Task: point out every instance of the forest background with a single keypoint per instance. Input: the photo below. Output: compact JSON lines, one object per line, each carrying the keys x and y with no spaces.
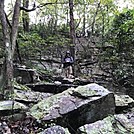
{"x":99,"y":34}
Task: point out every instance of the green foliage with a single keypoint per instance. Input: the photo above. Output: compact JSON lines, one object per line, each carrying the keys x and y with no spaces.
{"x":121,"y":53}
{"x":41,"y":41}
{"x":30,"y":44}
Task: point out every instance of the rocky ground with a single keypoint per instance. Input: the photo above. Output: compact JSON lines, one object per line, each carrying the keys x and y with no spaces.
{"x":85,"y":109}
{"x":66,"y":106}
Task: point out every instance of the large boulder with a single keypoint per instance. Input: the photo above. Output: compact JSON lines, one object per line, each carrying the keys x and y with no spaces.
{"x":75,"y":106}
{"x":117,"y":124}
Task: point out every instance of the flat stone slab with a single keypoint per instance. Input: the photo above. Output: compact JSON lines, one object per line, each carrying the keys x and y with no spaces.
{"x":76,"y":106}
{"x":50,"y":87}
{"x":117,"y":124}
{"x":30,"y":96}
{"x":10,"y":105}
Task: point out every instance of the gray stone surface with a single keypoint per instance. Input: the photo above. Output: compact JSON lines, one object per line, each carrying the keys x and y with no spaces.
{"x":7,"y":106}
{"x":30,"y":96}
{"x":24,"y":75}
{"x":55,"y":130}
{"x":76,"y":106}
{"x":117,"y":124}
{"x":123,"y":100}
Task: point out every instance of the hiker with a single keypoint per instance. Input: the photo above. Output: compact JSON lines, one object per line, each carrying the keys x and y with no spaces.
{"x":67,"y":64}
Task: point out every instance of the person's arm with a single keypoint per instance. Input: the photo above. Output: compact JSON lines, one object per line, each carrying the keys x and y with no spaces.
{"x":63,"y":60}
{"x":72,"y":60}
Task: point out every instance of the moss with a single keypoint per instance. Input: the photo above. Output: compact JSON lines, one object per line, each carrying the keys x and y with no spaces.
{"x":20,"y":86}
{"x":85,"y":91}
{"x":43,"y":107}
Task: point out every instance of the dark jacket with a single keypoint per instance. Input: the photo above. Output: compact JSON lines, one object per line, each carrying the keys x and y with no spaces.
{"x":68,"y":61}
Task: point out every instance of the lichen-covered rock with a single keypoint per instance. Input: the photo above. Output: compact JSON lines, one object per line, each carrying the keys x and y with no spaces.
{"x":55,"y":130}
{"x":76,"y":106}
{"x":30,"y":96}
{"x":123,"y":100}
{"x":117,"y":124}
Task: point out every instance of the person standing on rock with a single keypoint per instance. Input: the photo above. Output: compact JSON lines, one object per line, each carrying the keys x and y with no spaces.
{"x":67,"y":65}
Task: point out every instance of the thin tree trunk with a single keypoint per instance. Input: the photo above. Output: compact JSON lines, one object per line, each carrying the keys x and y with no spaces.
{"x":56,"y":19}
{"x":25,"y":16}
{"x":72,"y":32}
{"x":84,"y":20}
{"x":95,"y":17}
{"x":103,"y":26}
{"x":72,"y":28}
{"x":15,"y":24}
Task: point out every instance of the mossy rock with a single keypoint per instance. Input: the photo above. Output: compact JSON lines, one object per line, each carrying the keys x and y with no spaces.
{"x":117,"y":124}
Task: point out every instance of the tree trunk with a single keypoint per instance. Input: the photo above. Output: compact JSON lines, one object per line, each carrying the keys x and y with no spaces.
{"x":84,"y":20}
{"x":72,"y":32}
{"x":9,"y":40}
{"x":15,"y":24}
{"x":25,"y":16}
{"x":94,"y":17}
{"x":7,"y":44}
{"x":72,"y":29}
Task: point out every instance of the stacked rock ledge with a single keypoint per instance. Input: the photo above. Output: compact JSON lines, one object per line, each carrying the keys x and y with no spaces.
{"x":76,"y":106}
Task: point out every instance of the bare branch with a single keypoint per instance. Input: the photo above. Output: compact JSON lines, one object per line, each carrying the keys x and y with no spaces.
{"x":35,"y":7}
{"x":8,"y":22}
{"x":28,"y":10}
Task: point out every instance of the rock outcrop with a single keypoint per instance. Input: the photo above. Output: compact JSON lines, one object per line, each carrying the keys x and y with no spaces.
{"x":117,"y":124}
{"x":50,"y":87}
{"x":75,"y":106}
